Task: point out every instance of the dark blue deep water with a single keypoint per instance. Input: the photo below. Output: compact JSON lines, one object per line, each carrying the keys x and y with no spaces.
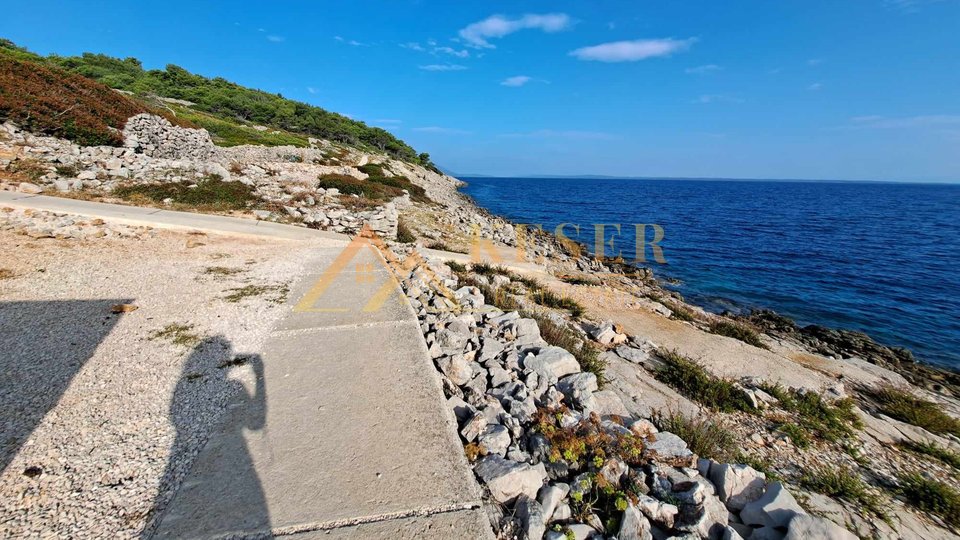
{"x":877,"y":257}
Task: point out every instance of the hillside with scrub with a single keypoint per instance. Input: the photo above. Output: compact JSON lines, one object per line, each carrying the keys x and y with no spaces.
{"x":232,"y":113}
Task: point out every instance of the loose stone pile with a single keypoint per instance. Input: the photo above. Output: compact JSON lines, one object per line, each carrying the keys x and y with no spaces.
{"x":284,"y":178}
{"x":40,"y":224}
{"x":526,"y":409}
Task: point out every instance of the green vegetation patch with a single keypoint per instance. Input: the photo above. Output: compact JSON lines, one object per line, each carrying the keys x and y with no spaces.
{"x":707,"y":438}
{"x":211,"y":193}
{"x":373,"y":188}
{"x":737,"y":331}
{"x":694,"y":381}
{"x":844,"y":483}
{"x":932,"y":496}
{"x":548,"y":298}
{"x":816,"y":417}
{"x":906,"y":407}
{"x":234,"y":133}
{"x":937,"y":452}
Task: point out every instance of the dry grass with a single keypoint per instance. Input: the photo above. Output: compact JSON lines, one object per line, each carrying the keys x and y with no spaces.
{"x":705,"y":437}
{"x":6,"y":273}
{"x":178,"y":334}
{"x":278,"y":293}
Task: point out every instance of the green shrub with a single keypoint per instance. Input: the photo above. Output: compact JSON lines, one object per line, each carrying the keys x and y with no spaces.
{"x":456,"y":267}
{"x":737,"y":331}
{"x":705,"y":437}
{"x":227,"y":132}
{"x":546,"y":297}
{"x":404,"y":234}
{"x":844,"y":483}
{"x":904,"y":406}
{"x":694,"y":381}
{"x":797,"y":434}
{"x":829,"y":421}
{"x":937,"y":452}
{"x":932,"y":496}
{"x":211,"y":193}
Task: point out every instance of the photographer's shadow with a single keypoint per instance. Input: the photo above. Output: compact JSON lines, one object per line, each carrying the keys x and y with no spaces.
{"x":219,"y":493}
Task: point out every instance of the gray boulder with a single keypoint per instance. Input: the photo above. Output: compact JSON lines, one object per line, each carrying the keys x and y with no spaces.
{"x":556,"y":360}
{"x":671,"y":450}
{"x":774,"y":509}
{"x":531,"y":516}
{"x":495,"y":439}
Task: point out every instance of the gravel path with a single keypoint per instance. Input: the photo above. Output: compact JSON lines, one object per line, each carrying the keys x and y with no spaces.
{"x":85,"y":394}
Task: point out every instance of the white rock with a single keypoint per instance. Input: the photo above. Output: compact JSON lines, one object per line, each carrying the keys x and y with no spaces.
{"x":633,"y":525}
{"x":456,"y":368}
{"x":774,"y":509}
{"x":550,"y":497}
{"x":661,"y":513}
{"x":27,"y":187}
{"x":737,"y":485}
{"x":558,"y":361}
{"x":672,"y":450}
{"x":508,"y":479}
{"x":806,"y":527}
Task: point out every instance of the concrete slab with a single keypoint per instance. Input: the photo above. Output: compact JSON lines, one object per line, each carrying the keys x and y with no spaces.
{"x":345,"y":298}
{"x":444,"y":526}
{"x":347,"y":425}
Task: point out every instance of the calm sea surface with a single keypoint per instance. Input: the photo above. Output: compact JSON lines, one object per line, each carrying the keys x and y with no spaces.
{"x":881,"y":258}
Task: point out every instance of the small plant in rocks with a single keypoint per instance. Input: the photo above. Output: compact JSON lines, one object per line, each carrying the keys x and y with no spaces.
{"x":694,"y":381}
{"x":737,"y":331}
{"x":904,"y":406}
{"x":931,"y":496}
{"x":844,"y":483}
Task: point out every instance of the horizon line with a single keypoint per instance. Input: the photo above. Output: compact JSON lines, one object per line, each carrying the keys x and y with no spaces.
{"x":707,"y":178}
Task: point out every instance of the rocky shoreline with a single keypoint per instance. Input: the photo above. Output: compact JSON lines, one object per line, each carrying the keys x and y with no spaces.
{"x":591,"y":401}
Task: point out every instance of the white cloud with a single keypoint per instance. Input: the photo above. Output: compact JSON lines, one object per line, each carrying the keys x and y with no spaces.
{"x":461,"y":53}
{"x":312,"y":90}
{"x":413,"y":46}
{"x":275,"y":39}
{"x":907,"y":122}
{"x":443,"y":67}
{"x":441,"y":130}
{"x":814,"y":61}
{"x":479,"y":33}
{"x":518,"y":80}
{"x":908,"y":6}
{"x":815,"y":87}
{"x":703,"y":70}
{"x":716,"y":98}
{"x":351,"y":42}
{"x":632,"y":51}
{"x":562,"y":134}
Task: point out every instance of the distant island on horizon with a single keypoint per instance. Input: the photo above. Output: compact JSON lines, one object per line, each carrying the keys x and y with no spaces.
{"x":697,"y":178}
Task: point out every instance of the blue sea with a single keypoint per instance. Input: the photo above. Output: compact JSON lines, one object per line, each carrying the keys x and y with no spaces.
{"x":882,"y":258}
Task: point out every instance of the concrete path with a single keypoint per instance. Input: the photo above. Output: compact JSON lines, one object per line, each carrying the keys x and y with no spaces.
{"x":346,"y":434}
{"x":165,"y":219}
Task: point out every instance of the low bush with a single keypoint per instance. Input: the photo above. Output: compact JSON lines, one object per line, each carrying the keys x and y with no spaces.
{"x":546,"y":297}
{"x":404,"y":233}
{"x":211,"y":193}
{"x":374,"y":188}
{"x":694,"y":381}
{"x":232,"y":133}
{"x":844,"y":483}
{"x":817,"y":417}
{"x":904,"y":406}
{"x":707,"y":439}
{"x":932,"y":496}
{"x":737,"y":331}
{"x":937,"y":452}
{"x":46,"y":99}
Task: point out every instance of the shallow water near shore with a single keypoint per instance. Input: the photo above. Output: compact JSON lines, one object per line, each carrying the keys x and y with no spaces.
{"x":878,"y":257}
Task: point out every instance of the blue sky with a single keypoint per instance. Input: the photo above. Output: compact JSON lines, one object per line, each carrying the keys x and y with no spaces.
{"x":852,"y":89}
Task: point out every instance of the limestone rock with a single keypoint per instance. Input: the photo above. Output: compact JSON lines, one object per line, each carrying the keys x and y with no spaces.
{"x":507,"y":480}
{"x":737,"y":485}
{"x":633,"y":525}
{"x":495,"y":439}
{"x":672,"y":450}
{"x":806,"y":527}
{"x":532,"y":517}
{"x":556,"y":360}
{"x":774,"y":509}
